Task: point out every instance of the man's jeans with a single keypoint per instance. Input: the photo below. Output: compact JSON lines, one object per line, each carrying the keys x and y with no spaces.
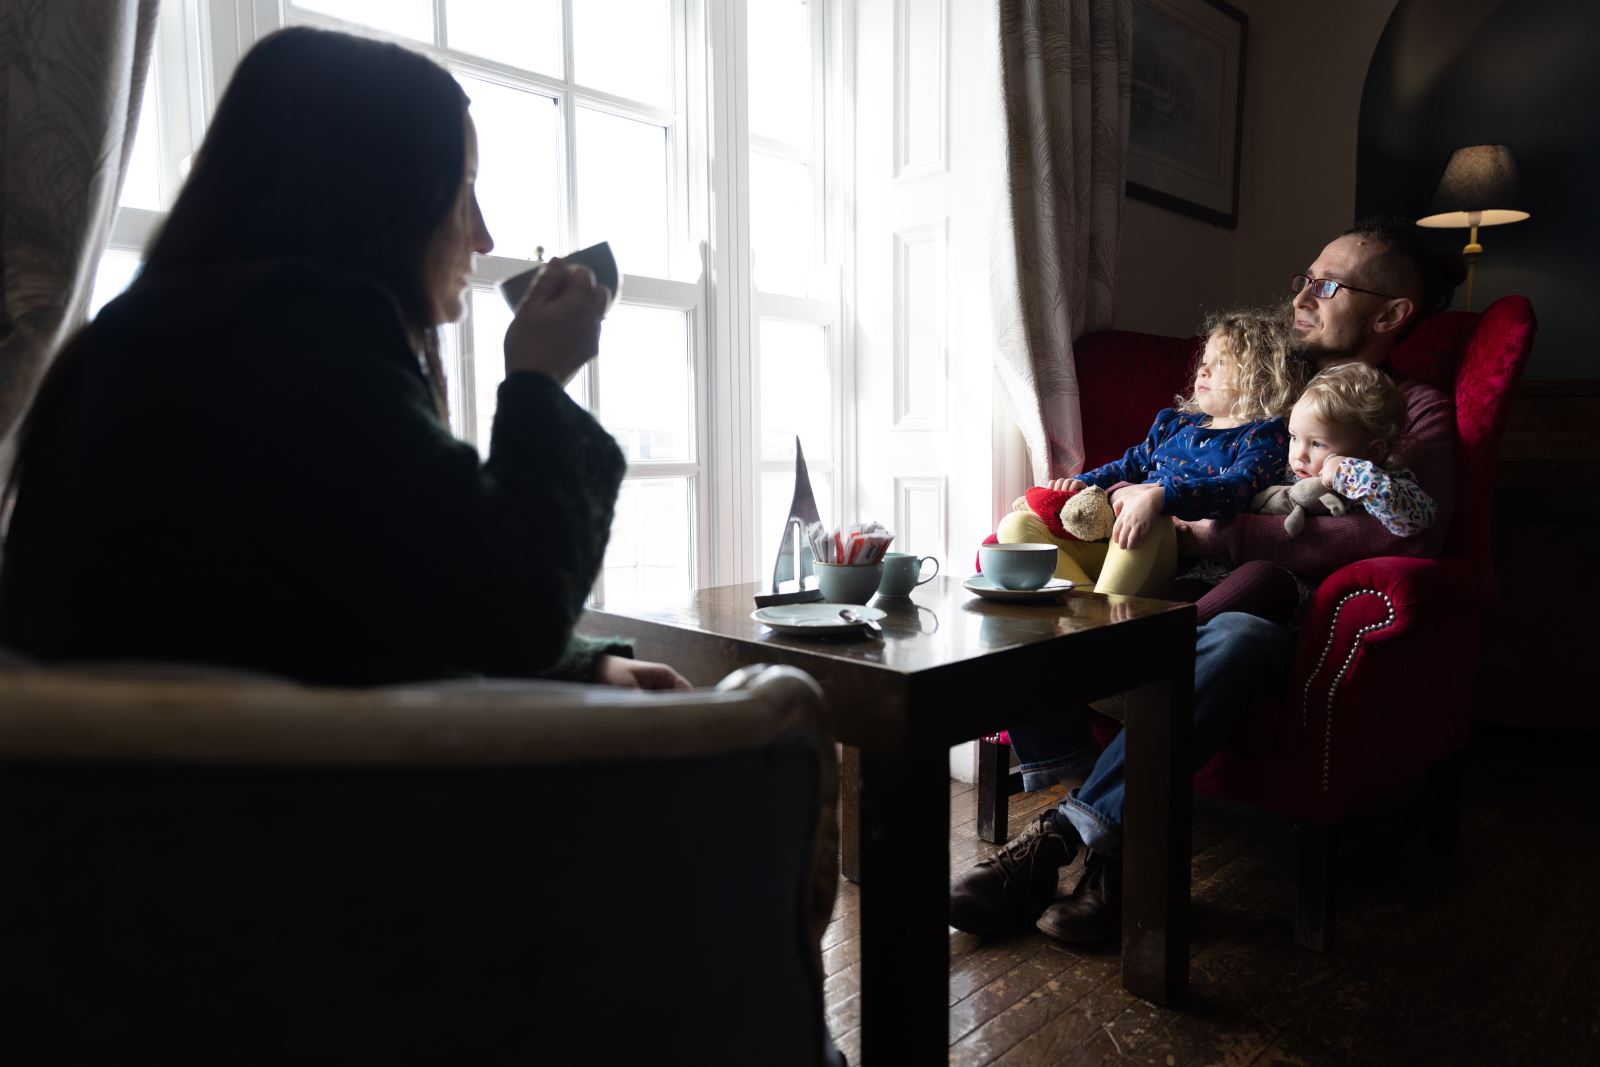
{"x":1238,"y":660}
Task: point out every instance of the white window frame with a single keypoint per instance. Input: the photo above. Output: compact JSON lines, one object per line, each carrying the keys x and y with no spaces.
{"x":828,"y":306}
{"x":200,"y":43}
{"x":181,"y":113}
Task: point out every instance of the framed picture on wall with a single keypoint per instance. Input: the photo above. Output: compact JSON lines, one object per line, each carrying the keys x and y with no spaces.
{"x":1187,"y":107}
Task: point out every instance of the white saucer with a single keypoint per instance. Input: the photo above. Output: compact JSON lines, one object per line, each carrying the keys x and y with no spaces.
{"x":1051,"y":590}
{"x":815,"y":619}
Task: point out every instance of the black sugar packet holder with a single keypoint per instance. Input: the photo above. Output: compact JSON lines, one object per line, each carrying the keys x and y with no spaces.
{"x":597,"y":258}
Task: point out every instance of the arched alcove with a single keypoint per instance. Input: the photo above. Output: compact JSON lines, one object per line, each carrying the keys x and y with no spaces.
{"x":1450,"y":73}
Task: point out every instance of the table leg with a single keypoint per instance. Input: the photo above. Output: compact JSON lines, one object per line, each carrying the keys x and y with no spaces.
{"x":1155,"y":840}
{"x":905,"y":907}
{"x":850,"y":813}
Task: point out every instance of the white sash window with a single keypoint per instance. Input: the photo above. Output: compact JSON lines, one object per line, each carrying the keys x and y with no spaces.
{"x":706,"y":140}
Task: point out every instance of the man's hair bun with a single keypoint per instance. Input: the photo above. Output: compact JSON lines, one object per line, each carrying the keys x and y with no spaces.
{"x":1408,"y":265}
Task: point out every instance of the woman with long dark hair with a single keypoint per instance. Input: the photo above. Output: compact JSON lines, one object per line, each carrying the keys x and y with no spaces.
{"x":245,"y":460}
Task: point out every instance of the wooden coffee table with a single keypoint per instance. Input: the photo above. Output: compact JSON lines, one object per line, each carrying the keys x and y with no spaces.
{"x":953,"y":667}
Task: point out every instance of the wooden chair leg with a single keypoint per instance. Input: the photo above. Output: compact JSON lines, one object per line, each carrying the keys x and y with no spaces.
{"x":994,"y":774}
{"x":1313,"y":907}
{"x":1444,"y":804}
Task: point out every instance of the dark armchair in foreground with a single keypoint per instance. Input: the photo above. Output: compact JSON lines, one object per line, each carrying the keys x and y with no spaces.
{"x":223,"y":870}
{"x":1382,"y":689}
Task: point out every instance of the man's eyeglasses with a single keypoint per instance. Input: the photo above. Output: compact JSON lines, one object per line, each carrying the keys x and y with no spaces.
{"x":1324,"y":288}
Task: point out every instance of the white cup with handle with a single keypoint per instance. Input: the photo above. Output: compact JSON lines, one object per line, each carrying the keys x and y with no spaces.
{"x":597,"y":258}
{"x":902,"y":572}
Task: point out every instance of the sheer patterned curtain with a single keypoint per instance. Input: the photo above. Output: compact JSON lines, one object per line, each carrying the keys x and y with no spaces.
{"x":1065,"y":73}
{"x":71,"y":77}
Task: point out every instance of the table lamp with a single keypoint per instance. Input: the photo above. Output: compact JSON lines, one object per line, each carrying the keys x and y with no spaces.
{"x":1478,"y":188}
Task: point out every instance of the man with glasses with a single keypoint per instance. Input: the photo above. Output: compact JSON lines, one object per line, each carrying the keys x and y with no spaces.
{"x":1360,"y":297}
{"x":1353,"y":304}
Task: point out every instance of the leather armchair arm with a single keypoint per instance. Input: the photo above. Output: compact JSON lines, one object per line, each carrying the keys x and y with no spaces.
{"x":1363,"y":604}
{"x":1377,"y":637}
{"x":1378,"y":599}
{"x":152,"y":713}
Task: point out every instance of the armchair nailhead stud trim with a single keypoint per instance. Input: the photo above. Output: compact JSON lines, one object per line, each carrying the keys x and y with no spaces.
{"x":1333,"y":687}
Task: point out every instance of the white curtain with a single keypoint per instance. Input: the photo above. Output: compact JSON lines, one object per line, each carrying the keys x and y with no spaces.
{"x":1065,"y":73}
{"x":71,"y":80}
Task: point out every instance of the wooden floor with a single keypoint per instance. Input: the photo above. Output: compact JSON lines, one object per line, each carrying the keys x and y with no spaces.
{"x":1488,"y":957}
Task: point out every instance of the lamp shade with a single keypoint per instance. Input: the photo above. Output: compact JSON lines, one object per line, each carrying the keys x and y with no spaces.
{"x":1479,"y":181}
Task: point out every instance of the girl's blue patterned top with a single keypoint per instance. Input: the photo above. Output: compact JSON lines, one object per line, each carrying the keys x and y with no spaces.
{"x":1205,"y":473}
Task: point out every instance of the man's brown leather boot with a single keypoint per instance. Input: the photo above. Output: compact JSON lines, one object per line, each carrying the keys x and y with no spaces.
{"x":1093,"y":912}
{"x":1005,"y":891}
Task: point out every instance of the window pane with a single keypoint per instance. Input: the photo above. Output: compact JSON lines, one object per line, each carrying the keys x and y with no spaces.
{"x":519,"y":162}
{"x":624,"y":47}
{"x":408,"y":18}
{"x":489,"y":320}
{"x":622,"y":190}
{"x":777,"y":493}
{"x":141,"y":186}
{"x":645,"y":382}
{"x":796,"y":393}
{"x":526,"y":33}
{"x":780,"y":70}
{"x":450,"y":358}
{"x":781,"y":229}
{"x":113,"y":274}
{"x":648,"y":556}
{"x":578,"y":388}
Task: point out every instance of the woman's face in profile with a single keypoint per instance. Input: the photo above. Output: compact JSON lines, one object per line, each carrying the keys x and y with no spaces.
{"x":461,"y":232}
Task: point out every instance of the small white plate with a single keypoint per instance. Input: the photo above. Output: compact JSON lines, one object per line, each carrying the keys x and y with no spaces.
{"x":1051,"y":590}
{"x":813,"y":619}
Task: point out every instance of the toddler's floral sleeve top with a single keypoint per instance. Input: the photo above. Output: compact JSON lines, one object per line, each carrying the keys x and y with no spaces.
{"x":1393,"y":497}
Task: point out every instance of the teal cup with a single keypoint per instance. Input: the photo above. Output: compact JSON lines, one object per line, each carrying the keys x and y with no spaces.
{"x":848,"y":583}
{"x":902,"y":572}
{"x":1018,"y":567}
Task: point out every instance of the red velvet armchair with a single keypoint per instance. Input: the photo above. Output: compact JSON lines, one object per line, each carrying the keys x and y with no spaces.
{"x":1382,"y":687}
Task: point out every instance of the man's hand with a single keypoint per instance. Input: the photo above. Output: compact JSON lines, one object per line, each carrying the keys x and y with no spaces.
{"x":1194,"y":536}
{"x":1330,"y":468}
{"x":638,"y":674}
{"x":1137,"y":507}
{"x":1067,"y":485}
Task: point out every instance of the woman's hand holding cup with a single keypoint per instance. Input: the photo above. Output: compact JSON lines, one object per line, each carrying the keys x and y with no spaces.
{"x":556,"y":329}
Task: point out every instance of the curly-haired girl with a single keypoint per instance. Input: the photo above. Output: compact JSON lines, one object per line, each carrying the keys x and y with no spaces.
{"x":1205,"y":457}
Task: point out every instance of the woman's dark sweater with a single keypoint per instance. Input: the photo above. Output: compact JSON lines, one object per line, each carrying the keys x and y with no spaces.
{"x":246,"y":468}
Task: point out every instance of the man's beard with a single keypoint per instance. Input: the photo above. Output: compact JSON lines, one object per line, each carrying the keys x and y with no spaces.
{"x":1319,"y":354}
{"x":1316,"y":354}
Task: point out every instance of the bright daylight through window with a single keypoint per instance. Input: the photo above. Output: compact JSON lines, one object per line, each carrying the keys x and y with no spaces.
{"x":599,"y":120}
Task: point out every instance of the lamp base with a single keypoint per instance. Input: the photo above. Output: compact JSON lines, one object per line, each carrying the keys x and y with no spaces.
{"x":1470,"y":253}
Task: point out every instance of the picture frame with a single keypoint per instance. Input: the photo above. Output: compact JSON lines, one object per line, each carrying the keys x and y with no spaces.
{"x":1186,"y":112}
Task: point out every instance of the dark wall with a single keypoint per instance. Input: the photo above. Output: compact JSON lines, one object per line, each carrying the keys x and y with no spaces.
{"x":1524,"y":73}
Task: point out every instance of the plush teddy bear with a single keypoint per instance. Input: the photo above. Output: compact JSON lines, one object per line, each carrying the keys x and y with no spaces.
{"x":1087,"y":515}
{"x":1077,"y":515}
{"x":1308,"y":496}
